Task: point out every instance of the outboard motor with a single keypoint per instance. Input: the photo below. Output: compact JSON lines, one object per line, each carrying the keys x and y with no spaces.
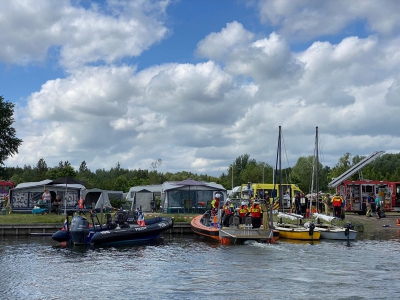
{"x":311,"y":228}
{"x":348,"y":227}
{"x":79,"y":230}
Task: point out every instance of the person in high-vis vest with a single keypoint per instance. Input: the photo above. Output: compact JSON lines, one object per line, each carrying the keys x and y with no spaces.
{"x":256,"y":214}
{"x":228,"y":210}
{"x":243,"y":210}
{"x":215,"y":205}
{"x":337,"y":202}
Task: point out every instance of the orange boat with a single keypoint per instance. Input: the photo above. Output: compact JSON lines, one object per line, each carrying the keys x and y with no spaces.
{"x":209,"y":226}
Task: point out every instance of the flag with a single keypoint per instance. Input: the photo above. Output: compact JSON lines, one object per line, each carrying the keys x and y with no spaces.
{"x":65,"y":225}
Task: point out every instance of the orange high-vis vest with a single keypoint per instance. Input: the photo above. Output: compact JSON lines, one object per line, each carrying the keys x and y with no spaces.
{"x":243,"y":210}
{"x":255,"y":211}
{"x":337,"y":201}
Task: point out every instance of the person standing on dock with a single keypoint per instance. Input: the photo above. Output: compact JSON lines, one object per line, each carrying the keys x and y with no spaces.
{"x":256,"y":214}
{"x":243,"y":210}
{"x":228,"y":209}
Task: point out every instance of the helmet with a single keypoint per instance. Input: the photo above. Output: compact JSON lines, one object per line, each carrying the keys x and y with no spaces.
{"x":228,"y":200}
{"x":217,"y":196}
{"x":243,"y":203}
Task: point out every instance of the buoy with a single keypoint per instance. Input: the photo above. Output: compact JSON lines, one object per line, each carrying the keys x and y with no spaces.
{"x":224,"y":241}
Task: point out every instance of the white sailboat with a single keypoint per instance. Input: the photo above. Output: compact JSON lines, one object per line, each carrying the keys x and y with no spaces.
{"x":287,"y":230}
{"x":329,"y":230}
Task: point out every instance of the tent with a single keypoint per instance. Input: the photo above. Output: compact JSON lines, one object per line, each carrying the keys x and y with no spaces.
{"x":144,"y":196}
{"x":95,"y":198}
{"x":26,"y":195}
{"x":189,"y":196}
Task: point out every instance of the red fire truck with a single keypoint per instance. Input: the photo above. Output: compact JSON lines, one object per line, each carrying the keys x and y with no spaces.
{"x":355,"y":193}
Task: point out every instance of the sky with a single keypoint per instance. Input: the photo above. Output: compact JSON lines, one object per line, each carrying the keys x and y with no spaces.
{"x":196,"y":84}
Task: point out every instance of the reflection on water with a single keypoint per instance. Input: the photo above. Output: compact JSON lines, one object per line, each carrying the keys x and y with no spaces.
{"x":190,"y":267}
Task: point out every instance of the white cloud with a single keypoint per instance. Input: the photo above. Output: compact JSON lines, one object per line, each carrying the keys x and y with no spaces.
{"x":80,"y":36}
{"x":200,"y":116}
{"x":307,"y":19}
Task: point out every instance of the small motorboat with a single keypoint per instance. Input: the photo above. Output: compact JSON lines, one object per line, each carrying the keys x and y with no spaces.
{"x":122,"y":229}
{"x":333,"y":232}
{"x":133,"y":233}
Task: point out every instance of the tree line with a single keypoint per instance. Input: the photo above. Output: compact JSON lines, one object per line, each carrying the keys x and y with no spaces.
{"x":243,"y":170}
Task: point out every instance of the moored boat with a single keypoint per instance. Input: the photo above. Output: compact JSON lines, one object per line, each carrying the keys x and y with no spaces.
{"x":334,"y":232}
{"x":211,"y":227}
{"x":296,"y":232}
{"x":122,"y":229}
{"x":152,"y":229}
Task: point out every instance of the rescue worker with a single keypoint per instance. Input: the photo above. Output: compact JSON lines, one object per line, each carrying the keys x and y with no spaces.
{"x":337,"y":202}
{"x":228,"y":210}
{"x":243,"y":210}
{"x":368,"y":205}
{"x":327,"y":203}
{"x":256,"y":214}
{"x":215,"y":205}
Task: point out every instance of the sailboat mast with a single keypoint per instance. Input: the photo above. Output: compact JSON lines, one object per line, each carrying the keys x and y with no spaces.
{"x":317,"y":169}
{"x":280,"y":169}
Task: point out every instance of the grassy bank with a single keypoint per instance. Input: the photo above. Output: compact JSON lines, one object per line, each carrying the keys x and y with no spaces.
{"x":19,"y":218}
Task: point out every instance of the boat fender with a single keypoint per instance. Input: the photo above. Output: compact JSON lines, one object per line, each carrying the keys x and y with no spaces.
{"x":398,"y":222}
{"x":311,"y":229}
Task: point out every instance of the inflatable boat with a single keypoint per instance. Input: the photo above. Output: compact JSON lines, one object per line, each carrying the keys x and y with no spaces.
{"x":133,"y":233}
{"x":123,"y":229}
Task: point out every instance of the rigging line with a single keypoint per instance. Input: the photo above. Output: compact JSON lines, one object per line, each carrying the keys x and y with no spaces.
{"x":287,"y":160}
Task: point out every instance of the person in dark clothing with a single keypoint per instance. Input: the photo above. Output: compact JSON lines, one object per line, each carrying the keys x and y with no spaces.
{"x":297,"y":208}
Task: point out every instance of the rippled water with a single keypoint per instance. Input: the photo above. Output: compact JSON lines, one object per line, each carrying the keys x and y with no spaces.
{"x":189,"y":267}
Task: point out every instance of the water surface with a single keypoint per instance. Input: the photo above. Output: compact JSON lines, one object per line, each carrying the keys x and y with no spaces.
{"x":190,"y":267}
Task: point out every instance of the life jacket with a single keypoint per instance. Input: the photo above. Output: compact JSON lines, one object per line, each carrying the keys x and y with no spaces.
{"x":81,"y":203}
{"x":215,"y":203}
{"x":243,"y":210}
{"x":227,"y":209}
{"x":255,"y":211}
{"x":337,"y":201}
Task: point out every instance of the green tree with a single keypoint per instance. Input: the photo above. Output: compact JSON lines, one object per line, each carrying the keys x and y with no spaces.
{"x":9,"y":143}
{"x":41,"y":170}
{"x":342,"y":166}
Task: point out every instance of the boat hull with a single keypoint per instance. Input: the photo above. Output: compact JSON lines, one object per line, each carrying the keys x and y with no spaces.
{"x":298,"y":233}
{"x":152,"y":230}
{"x":232,"y":234}
{"x":337,"y":234}
{"x":199,"y":228}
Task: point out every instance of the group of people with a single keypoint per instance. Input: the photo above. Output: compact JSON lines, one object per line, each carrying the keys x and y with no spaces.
{"x":229,"y":210}
{"x":46,"y":200}
{"x":378,"y":207}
